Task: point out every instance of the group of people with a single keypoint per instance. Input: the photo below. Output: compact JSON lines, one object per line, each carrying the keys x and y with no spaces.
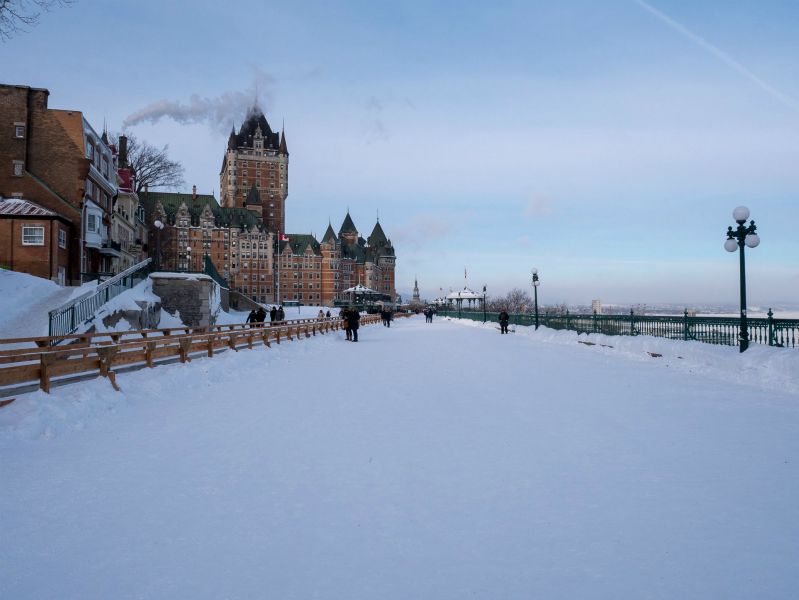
{"x":351,"y":320}
{"x":428,"y":314}
{"x":258,"y":315}
{"x":321,"y":316}
{"x":386,"y":316}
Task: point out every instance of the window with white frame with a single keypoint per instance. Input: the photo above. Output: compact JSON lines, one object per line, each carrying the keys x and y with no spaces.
{"x":62,"y":238}
{"x":92,"y":223}
{"x":19,"y":168}
{"x":32,"y":235}
{"x":19,"y":130}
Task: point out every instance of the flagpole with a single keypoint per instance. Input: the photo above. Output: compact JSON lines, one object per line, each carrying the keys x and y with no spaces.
{"x":278,"y":267}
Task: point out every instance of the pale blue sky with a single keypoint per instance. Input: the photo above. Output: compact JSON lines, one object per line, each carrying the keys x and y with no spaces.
{"x":599,"y":141}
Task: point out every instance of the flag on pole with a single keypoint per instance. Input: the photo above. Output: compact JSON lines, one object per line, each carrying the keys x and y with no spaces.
{"x":282,"y":237}
{"x":464,"y":273}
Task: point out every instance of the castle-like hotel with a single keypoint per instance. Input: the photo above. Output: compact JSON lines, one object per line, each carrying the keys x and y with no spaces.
{"x":244,"y":236}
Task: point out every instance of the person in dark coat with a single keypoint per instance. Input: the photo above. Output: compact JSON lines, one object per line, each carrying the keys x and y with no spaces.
{"x":344,"y":314}
{"x":328,"y":314}
{"x":503,"y":322}
{"x":281,"y":314}
{"x":273,"y":314}
{"x":353,"y":320}
{"x":260,"y":316}
{"x":251,"y":318}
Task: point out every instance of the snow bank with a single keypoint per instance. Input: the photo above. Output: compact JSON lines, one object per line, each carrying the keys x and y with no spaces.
{"x":764,"y":366}
{"x":18,"y":293}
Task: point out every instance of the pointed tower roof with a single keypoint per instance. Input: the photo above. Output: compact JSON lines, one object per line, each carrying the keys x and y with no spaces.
{"x":330,"y":235}
{"x":283,"y":147}
{"x":231,"y":141}
{"x":347,"y":226}
{"x":378,"y":235}
{"x":253,"y":197}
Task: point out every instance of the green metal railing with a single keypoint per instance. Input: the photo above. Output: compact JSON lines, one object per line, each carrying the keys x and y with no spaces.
{"x":67,"y":318}
{"x":712,"y":330}
{"x":211,"y":271}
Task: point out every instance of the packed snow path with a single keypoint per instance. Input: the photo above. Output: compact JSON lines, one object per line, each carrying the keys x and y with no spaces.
{"x":427,"y":461}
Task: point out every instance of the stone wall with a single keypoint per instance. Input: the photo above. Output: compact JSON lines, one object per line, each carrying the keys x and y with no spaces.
{"x":194,"y":296}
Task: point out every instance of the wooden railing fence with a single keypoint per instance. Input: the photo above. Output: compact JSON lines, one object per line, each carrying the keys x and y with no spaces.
{"x":80,"y":356}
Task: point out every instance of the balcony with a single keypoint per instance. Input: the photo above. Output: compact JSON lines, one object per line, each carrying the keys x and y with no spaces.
{"x":111,"y":248}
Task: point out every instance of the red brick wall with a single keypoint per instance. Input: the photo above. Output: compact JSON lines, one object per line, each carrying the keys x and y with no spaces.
{"x":42,"y":261}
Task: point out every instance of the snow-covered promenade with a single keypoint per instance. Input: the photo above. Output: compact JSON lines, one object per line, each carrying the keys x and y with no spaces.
{"x":436,"y":462}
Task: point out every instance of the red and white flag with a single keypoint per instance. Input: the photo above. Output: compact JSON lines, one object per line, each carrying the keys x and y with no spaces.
{"x":281,"y":237}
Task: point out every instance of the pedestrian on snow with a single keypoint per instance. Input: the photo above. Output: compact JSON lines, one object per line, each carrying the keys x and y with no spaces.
{"x":281,"y":314}
{"x":321,"y":315}
{"x":328,"y":314}
{"x":344,"y":314}
{"x":273,"y":313}
{"x":389,"y":316}
{"x":251,"y":318}
{"x":503,"y":322}
{"x":353,"y":320}
{"x":260,"y":316}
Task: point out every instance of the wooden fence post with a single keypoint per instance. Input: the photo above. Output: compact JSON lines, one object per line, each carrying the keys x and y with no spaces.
{"x":45,"y":360}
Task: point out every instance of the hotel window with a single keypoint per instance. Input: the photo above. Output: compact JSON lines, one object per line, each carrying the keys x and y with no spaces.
{"x":62,"y":238}
{"x":32,"y":235}
{"x":19,"y":168}
{"x":92,"y":224}
{"x":19,"y":131}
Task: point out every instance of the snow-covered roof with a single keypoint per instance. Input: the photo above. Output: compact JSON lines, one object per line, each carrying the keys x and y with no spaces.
{"x":26,"y":208}
{"x":360,"y":289}
{"x":464,"y":294}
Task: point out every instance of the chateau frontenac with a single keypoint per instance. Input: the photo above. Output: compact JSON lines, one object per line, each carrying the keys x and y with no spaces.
{"x":244,"y":236}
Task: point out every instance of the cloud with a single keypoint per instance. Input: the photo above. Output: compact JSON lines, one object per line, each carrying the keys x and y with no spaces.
{"x":538,"y":206}
{"x":219,"y":112}
{"x":421,"y":229}
{"x":721,"y":55}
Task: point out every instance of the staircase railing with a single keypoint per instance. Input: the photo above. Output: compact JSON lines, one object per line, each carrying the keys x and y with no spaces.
{"x":67,"y":318}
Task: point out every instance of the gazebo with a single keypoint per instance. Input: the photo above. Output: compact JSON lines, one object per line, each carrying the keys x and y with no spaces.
{"x":470,"y":296}
{"x":361,"y":295}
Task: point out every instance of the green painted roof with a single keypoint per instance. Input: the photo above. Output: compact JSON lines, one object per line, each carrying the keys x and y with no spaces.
{"x":299,"y":242}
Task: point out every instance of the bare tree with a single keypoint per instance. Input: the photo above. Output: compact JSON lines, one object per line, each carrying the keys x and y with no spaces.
{"x":17,"y":15}
{"x":151,"y":166}
{"x":515,"y":301}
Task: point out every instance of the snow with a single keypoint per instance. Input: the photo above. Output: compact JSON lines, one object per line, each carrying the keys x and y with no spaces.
{"x":25,"y":301}
{"x":426,"y":461}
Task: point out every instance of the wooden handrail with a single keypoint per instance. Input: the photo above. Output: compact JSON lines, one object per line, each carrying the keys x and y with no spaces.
{"x":93,"y":356}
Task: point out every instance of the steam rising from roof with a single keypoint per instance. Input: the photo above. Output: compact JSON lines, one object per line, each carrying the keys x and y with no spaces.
{"x":219,"y":112}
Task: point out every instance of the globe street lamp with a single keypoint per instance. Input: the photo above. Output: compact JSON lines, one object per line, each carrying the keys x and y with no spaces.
{"x":159,"y":225}
{"x":536,"y":283}
{"x":188,"y":258}
{"x":742,"y":236}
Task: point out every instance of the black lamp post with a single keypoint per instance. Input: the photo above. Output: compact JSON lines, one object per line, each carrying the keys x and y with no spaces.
{"x":738,"y":238}
{"x":485,"y":316}
{"x":536,"y":283}
{"x":159,"y":225}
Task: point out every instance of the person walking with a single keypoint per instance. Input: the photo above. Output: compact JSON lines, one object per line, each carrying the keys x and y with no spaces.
{"x":260,"y":316}
{"x":252,"y":317}
{"x":353,"y":320}
{"x":321,"y":315}
{"x":281,"y":314}
{"x":389,"y":317}
{"x":273,"y":313}
{"x":328,"y":314}
{"x":503,"y":321}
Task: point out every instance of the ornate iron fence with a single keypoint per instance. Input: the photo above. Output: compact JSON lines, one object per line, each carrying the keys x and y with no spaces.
{"x":67,"y":318}
{"x":712,"y":330}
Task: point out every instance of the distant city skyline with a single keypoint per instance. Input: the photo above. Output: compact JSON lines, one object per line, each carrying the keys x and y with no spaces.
{"x":604,"y":143}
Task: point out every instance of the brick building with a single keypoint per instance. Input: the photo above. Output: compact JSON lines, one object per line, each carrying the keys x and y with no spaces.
{"x":239,"y":246}
{"x":56,"y":160}
{"x":33,"y":239}
{"x":245,"y":237}
{"x":256,"y":163}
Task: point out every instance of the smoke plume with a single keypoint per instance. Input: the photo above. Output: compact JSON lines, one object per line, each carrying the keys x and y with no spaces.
{"x":219,"y":112}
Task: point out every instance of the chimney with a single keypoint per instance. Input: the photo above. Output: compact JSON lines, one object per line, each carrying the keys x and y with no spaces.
{"x":194,"y":192}
{"x":123,"y":152}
